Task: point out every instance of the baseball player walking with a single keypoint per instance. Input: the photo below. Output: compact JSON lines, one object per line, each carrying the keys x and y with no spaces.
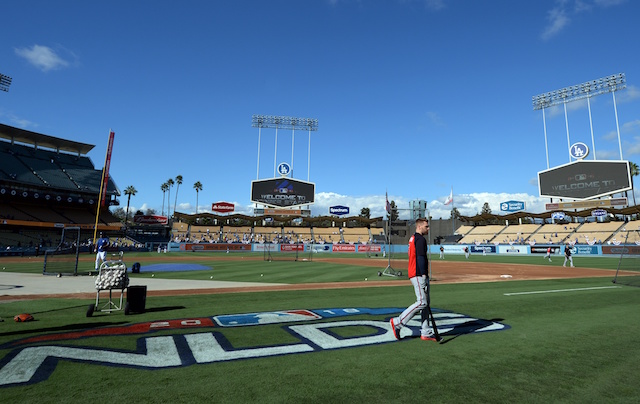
{"x":101,"y":250}
{"x":548,"y":254}
{"x":418,"y":275}
{"x":567,"y":256}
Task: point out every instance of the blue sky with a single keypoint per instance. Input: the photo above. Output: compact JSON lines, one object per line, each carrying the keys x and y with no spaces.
{"x":413,"y":97}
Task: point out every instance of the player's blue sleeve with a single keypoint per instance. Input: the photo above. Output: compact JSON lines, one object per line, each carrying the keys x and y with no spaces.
{"x":421,"y":256}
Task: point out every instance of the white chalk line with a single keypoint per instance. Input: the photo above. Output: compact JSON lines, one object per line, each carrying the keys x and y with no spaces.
{"x":561,"y":290}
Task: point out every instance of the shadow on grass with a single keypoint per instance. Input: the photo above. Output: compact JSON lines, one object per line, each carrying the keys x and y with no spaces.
{"x":465,"y":329}
{"x":68,"y":327}
{"x":166,"y":308}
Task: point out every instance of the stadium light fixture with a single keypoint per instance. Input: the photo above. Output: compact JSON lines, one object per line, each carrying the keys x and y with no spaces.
{"x":5,"y":82}
{"x":603,"y":85}
{"x":587,"y":89}
{"x":283,"y":122}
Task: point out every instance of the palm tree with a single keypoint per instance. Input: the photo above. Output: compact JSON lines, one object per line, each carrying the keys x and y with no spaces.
{"x":198,"y":187}
{"x":164,"y":187}
{"x":169,"y":185}
{"x":130,"y":190}
{"x":178,"y":182}
{"x":634,"y":171}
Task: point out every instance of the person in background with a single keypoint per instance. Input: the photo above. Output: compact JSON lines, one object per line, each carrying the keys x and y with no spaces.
{"x":101,"y":250}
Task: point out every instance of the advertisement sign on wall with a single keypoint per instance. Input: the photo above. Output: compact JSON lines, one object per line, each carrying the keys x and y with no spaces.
{"x":513,"y":249}
{"x":542,"y":249}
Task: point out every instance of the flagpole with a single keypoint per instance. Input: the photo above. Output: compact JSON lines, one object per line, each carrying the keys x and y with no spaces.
{"x":453,"y":219}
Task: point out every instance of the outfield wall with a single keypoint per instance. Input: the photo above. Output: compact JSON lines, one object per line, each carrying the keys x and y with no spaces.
{"x":380,"y":249}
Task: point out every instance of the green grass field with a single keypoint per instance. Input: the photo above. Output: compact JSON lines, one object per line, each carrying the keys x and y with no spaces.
{"x":575,"y":343}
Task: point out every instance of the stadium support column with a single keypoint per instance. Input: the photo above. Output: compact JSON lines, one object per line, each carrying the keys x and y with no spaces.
{"x":566,"y":124}
{"x":593,"y":143}
{"x":258,"y":168}
{"x":546,"y":144}
{"x":615,"y":110}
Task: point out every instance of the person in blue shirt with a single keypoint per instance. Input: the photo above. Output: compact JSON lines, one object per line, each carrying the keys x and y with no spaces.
{"x":101,"y":250}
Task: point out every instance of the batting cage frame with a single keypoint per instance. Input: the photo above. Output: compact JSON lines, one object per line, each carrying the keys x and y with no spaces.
{"x":286,"y":252}
{"x":628,"y":271}
{"x":63,"y":260}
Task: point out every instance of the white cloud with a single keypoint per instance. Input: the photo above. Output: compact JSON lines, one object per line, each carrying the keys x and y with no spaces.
{"x":17,"y":121}
{"x":629,"y":94}
{"x":608,"y":154}
{"x":631,"y":127}
{"x":42,"y":57}
{"x":634,"y":148}
{"x":434,"y":5}
{"x":558,"y":19}
{"x":435,"y":118}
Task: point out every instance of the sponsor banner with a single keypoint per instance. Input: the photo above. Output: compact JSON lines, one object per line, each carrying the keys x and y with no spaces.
{"x":344,"y":248}
{"x":214,"y":247}
{"x":339,"y":210}
{"x":513,"y":249}
{"x":150,"y":219}
{"x":482,"y":249}
{"x":448,"y":249}
{"x":584,"y":250}
{"x":321,"y":248}
{"x":223,"y":207}
{"x":265,"y":247}
{"x":586,"y":204}
{"x":620,"y":249}
{"x":369,"y":248}
{"x":599,"y":212}
{"x":291,"y":247}
{"x":557,"y":215}
{"x":542,"y":249}
{"x":512,"y":206}
{"x":282,"y":192}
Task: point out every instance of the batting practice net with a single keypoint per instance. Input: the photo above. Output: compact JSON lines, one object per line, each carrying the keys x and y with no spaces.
{"x":628,"y":272}
{"x":63,"y":260}
{"x":286,"y":252}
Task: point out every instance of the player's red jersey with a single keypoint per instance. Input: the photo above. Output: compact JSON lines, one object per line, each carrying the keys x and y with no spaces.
{"x":417,"y":247}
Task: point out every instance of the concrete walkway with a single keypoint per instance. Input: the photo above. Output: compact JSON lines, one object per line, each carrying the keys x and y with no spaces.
{"x":16,"y":284}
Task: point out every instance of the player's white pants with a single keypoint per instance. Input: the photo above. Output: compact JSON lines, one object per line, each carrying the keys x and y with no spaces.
{"x":441,"y":255}
{"x":100,"y":258}
{"x":570,"y":259}
{"x":419,"y":286}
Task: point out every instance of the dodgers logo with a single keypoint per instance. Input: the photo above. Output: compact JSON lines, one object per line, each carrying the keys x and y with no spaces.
{"x":284,"y":169}
{"x":34,"y":359}
{"x":579,"y":150}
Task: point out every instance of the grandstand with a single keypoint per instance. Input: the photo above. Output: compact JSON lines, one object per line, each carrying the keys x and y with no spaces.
{"x":482,"y":234}
{"x":595,"y":233}
{"x":518,"y":233}
{"x":554,"y":233}
{"x":356,"y":235}
{"x":47,"y":183}
{"x":632,"y":228}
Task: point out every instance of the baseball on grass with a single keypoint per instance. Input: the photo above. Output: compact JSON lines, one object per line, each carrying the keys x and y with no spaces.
{"x":211,"y":277}
{"x":152,"y":275}
{"x":261,"y":274}
{"x":366,"y":279}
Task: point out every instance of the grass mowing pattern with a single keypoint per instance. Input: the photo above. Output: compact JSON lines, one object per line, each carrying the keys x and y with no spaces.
{"x":561,"y":347}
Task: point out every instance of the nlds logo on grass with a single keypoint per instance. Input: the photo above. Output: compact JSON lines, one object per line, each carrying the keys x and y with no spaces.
{"x":34,"y":359}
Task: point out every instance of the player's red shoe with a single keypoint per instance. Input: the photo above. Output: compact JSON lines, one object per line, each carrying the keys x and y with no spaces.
{"x":428,"y":338}
{"x":396,"y":331}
